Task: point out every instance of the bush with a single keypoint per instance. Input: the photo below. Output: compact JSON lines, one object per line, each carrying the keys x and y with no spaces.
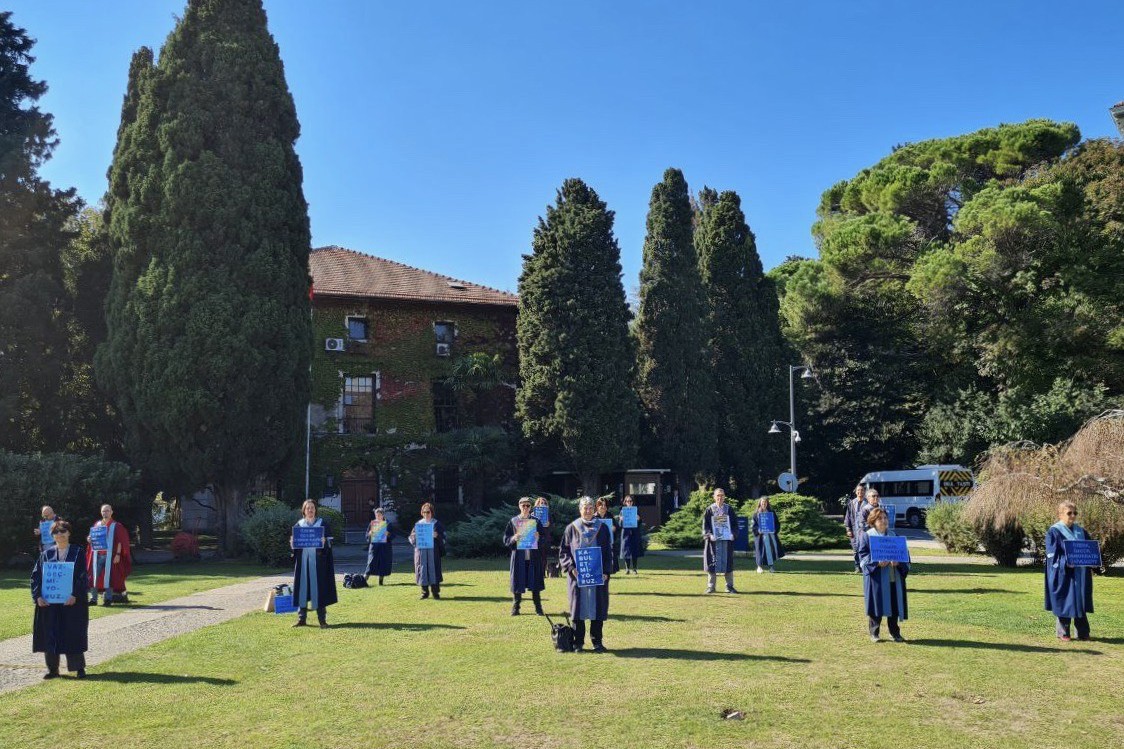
{"x":1004,"y":542}
{"x":75,"y":485}
{"x":803,"y":524}
{"x":335,"y":521}
{"x":260,"y":501}
{"x":948,"y":525}
{"x":683,"y":530}
{"x":482,"y":535}
{"x":266,"y":532}
{"x":185,"y":546}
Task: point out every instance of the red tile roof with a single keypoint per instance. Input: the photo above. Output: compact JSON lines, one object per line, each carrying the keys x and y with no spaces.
{"x":337,"y":271}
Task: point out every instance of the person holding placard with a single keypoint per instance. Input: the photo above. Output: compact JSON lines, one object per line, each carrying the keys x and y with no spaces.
{"x":579,"y":559}
{"x":632,"y":535}
{"x":109,"y":559}
{"x":43,"y":530}
{"x":883,"y":581}
{"x":314,"y":568}
{"x":766,"y":536}
{"x":380,"y":552}
{"x":852,"y":519}
{"x":428,"y":539}
{"x":527,"y":572}
{"x":1069,"y":588}
{"x":873,"y":501}
{"x":546,"y":534}
{"x":62,"y":617}
{"x":603,"y":516}
{"x":718,"y":536}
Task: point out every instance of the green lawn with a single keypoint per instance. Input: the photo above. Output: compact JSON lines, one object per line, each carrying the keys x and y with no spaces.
{"x":149,"y":583}
{"x":982,"y":669}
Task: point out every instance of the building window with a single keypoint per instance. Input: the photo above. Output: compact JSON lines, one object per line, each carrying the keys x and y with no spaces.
{"x":444,"y":332}
{"x":358,"y":405}
{"x":357,"y":328}
{"x":444,"y":407}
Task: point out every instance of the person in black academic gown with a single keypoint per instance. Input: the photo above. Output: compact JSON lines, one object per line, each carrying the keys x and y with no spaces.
{"x":427,"y":562}
{"x":380,"y":555}
{"x":883,"y":582}
{"x":718,"y":555}
{"x":314,"y":572}
{"x":586,"y":604}
{"x":527,"y":571}
{"x":546,"y":534}
{"x":767,"y":547}
{"x":602,"y":515}
{"x":851,"y":520}
{"x":1069,"y":590}
{"x":61,"y":628}
{"x":631,"y":540}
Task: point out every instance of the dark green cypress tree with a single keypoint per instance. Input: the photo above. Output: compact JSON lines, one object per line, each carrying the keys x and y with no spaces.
{"x":746,"y":344}
{"x":209,"y":337}
{"x":575,"y":355}
{"x":33,"y":235}
{"x":674,"y":376}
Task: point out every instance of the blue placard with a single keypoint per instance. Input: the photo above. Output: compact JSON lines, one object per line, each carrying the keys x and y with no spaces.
{"x":891,"y":515}
{"x":608,"y":523}
{"x":98,"y":537}
{"x":1083,"y":553}
{"x":741,"y":541}
{"x":588,"y":562}
{"x":721,"y":526}
{"x":767,"y":522}
{"x":542,"y":514}
{"x":888,"y":549}
{"x":423,"y":535}
{"x":45,"y":532}
{"x":58,"y":581}
{"x":630,"y":517}
{"x":308,"y":537}
{"x":525,"y":530}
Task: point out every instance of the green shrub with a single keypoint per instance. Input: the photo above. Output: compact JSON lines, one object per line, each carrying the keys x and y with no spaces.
{"x":683,"y":530}
{"x":266,"y":532}
{"x":948,"y":525}
{"x":261,"y":501}
{"x":482,"y":535}
{"x":74,"y":485}
{"x":803,"y":524}
{"x":334,"y":520}
{"x":1005,"y":543}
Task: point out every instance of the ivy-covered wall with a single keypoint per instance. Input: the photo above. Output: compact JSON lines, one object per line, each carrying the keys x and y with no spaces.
{"x":401,"y":348}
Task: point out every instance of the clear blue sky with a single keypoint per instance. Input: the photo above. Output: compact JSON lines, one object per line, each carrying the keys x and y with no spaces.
{"x":435,"y":133}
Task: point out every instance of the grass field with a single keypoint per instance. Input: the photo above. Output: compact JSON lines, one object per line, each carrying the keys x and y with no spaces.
{"x":149,"y":583}
{"x":982,"y":669}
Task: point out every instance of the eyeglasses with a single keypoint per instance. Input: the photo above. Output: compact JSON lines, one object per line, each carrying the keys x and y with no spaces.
{"x":1071,"y":514}
{"x":59,"y":533}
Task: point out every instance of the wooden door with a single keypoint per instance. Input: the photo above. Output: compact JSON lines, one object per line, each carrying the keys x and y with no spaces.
{"x":355,"y":493}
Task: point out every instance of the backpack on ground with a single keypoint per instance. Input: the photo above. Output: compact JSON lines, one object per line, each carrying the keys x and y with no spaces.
{"x":355,"y":581}
{"x":562,"y":635}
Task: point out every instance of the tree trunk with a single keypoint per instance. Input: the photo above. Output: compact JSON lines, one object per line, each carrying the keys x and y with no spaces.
{"x":591,"y":484}
{"x":686,"y":486}
{"x":229,"y":500}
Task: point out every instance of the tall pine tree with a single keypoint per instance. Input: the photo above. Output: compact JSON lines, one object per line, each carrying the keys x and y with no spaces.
{"x":674,"y":377}
{"x":747,"y":349}
{"x":575,"y":354}
{"x":33,"y":235}
{"x":209,"y":337}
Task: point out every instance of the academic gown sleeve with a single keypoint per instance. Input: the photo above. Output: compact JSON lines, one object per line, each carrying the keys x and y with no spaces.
{"x":509,"y":540}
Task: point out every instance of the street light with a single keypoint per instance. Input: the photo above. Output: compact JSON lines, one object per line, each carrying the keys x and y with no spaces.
{"x":794,"y":435}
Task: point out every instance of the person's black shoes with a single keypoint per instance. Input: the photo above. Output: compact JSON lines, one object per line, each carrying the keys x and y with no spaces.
{"x":380,"y":581}
{"x":51,"y":675}
{"x":323,"y":625}
{"x":301,"y":623}
{"x":599,"y":648}
{"x":81,"y":673}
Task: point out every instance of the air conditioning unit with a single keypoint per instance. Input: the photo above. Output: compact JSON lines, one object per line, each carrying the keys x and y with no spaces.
{"x":333,"y":344}
{"x":444,"y":349}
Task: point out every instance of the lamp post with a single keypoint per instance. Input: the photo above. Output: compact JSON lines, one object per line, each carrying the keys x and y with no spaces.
{"x":794,"y":435}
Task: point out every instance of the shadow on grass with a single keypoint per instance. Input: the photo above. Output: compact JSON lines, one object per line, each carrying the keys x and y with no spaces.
{"x":412,"y":627}
{"x":137,"y":677}
{"x":798,"y":593}
{"x":658,"y":594}
{"x":966,"y":590}
{"x":644,"y":618}
{"x":487,"y":599}
{"x":1008,"y":646}
{"x":698,"y":655}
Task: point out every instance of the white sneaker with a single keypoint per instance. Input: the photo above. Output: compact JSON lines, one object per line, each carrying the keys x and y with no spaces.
{"x":759,"y":570}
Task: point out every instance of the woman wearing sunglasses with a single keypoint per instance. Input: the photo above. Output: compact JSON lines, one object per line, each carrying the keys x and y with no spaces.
{"x":1069,"y":589}
{"x":61,"y":626}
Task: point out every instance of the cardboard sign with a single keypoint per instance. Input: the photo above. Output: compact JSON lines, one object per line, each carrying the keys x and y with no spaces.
{"x":58,"y":581}
{"x":888,"y":549}
{"x":98,"y":539}
{"x":379,"y":531}
{"x":767,"y":522}
{"x":608,"y":523}
{"x":630,"y":517}
{"x":423,"y":535}
{"x":525,"y":532}
{"x":542,"y":514}
{"x":891,"y":514}
{"x":1082,"y":553}
{"x":588,"y":562}
{"x":722,"y":530}
{"x":311,"y":537}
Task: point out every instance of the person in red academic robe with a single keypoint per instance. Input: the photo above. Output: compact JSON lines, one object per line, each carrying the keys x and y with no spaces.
{"x":109,"y":568}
